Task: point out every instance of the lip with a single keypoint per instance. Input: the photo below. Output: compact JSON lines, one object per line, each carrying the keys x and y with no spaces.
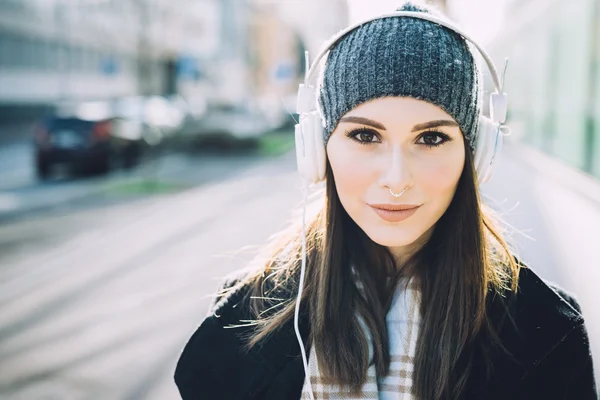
{"x":394,"y":212}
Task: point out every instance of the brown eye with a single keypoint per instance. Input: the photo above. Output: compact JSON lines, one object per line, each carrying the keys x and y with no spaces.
{"x":363,"y":135}
{"x":366,"y":136}
{"x":433,"y":139}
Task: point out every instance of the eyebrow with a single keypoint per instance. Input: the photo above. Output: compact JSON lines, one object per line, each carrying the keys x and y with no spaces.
{"x":363,"y":121}
{"x":434,"y":124}
{"x":418,"y":127}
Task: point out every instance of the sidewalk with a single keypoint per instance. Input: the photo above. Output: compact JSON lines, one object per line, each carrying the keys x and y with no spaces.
{"x":554,"y":210}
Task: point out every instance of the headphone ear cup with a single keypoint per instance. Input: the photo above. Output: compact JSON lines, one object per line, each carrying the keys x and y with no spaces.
{"x":300,"y":146}
{"x":306,"y":136}
{"x":486,"y":148}
{"x":479,"y":147}
{"x":319,"y":142}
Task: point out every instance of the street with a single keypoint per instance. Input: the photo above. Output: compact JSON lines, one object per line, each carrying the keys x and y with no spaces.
{"x":96,"y":302}
{"x":98,"y":305}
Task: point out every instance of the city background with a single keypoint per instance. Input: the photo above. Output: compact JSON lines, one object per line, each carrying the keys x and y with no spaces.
{"x":146,"y":149}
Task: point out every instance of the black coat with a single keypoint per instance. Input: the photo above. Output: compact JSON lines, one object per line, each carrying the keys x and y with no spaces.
{"x":550,"y":345}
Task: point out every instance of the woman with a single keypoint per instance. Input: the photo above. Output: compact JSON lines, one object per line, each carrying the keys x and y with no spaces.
{"x":410,"y":290}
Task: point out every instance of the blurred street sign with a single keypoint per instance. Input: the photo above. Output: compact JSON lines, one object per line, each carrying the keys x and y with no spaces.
{"x":109,"y":66}
{"x":188,"y":67}
{"x":284,"y":71}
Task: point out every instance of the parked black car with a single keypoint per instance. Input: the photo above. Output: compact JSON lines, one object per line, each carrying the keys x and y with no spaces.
{"x":87,"y":144}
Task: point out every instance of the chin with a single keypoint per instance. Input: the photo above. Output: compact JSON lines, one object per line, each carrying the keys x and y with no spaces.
{"x":392,"y":236}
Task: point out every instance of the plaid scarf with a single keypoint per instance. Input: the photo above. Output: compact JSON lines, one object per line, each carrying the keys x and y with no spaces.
{"x":402,"y":323}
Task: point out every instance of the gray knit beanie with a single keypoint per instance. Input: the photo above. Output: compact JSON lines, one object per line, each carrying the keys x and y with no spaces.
{"x":405,"y":57}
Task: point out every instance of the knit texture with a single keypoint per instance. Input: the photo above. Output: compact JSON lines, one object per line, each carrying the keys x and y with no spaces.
{"x":404,"y":57}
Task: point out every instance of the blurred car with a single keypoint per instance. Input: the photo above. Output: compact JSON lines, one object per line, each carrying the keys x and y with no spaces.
{"x":228,"y":125}
{"x":193,"y":109}
{"x":87,"y":138}
{"x":160,"y":117}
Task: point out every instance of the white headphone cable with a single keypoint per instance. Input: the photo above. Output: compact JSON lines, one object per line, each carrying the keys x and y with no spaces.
{"x":300,"y":287}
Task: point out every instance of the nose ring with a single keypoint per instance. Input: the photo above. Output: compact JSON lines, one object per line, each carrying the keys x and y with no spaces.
{"x":399,"y":194}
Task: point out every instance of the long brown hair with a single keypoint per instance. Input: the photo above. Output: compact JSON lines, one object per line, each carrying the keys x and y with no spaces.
{"x":465,"y":260}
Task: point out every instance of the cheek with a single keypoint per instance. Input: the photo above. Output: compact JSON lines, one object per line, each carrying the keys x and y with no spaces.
{"x":439,"y":177}
{"x":352,"y":178}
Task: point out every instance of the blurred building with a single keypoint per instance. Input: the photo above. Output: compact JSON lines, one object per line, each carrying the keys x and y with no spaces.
{"x":276,"y":62}
{"x":280,"y":32}
{"x":53,"y":50}
{"x":228,"y":51}
{"x":553,"y":77}
{"x":441,"y":4}
{"x":227,"y":70}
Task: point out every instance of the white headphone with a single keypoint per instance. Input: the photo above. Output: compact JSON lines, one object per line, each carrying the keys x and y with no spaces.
{"x":310,"y":146}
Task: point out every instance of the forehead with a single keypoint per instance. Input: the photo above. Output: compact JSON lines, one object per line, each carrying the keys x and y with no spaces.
{"x":398,"y":111}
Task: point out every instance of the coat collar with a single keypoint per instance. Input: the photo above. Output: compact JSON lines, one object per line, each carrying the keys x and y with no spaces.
{"x":530,"y":324}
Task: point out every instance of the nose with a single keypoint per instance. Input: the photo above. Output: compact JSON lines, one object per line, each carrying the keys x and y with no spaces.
{"x":396,"y":174}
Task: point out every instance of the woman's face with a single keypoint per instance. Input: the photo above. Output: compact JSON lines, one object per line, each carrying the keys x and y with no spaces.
{"x":396,"y":143}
